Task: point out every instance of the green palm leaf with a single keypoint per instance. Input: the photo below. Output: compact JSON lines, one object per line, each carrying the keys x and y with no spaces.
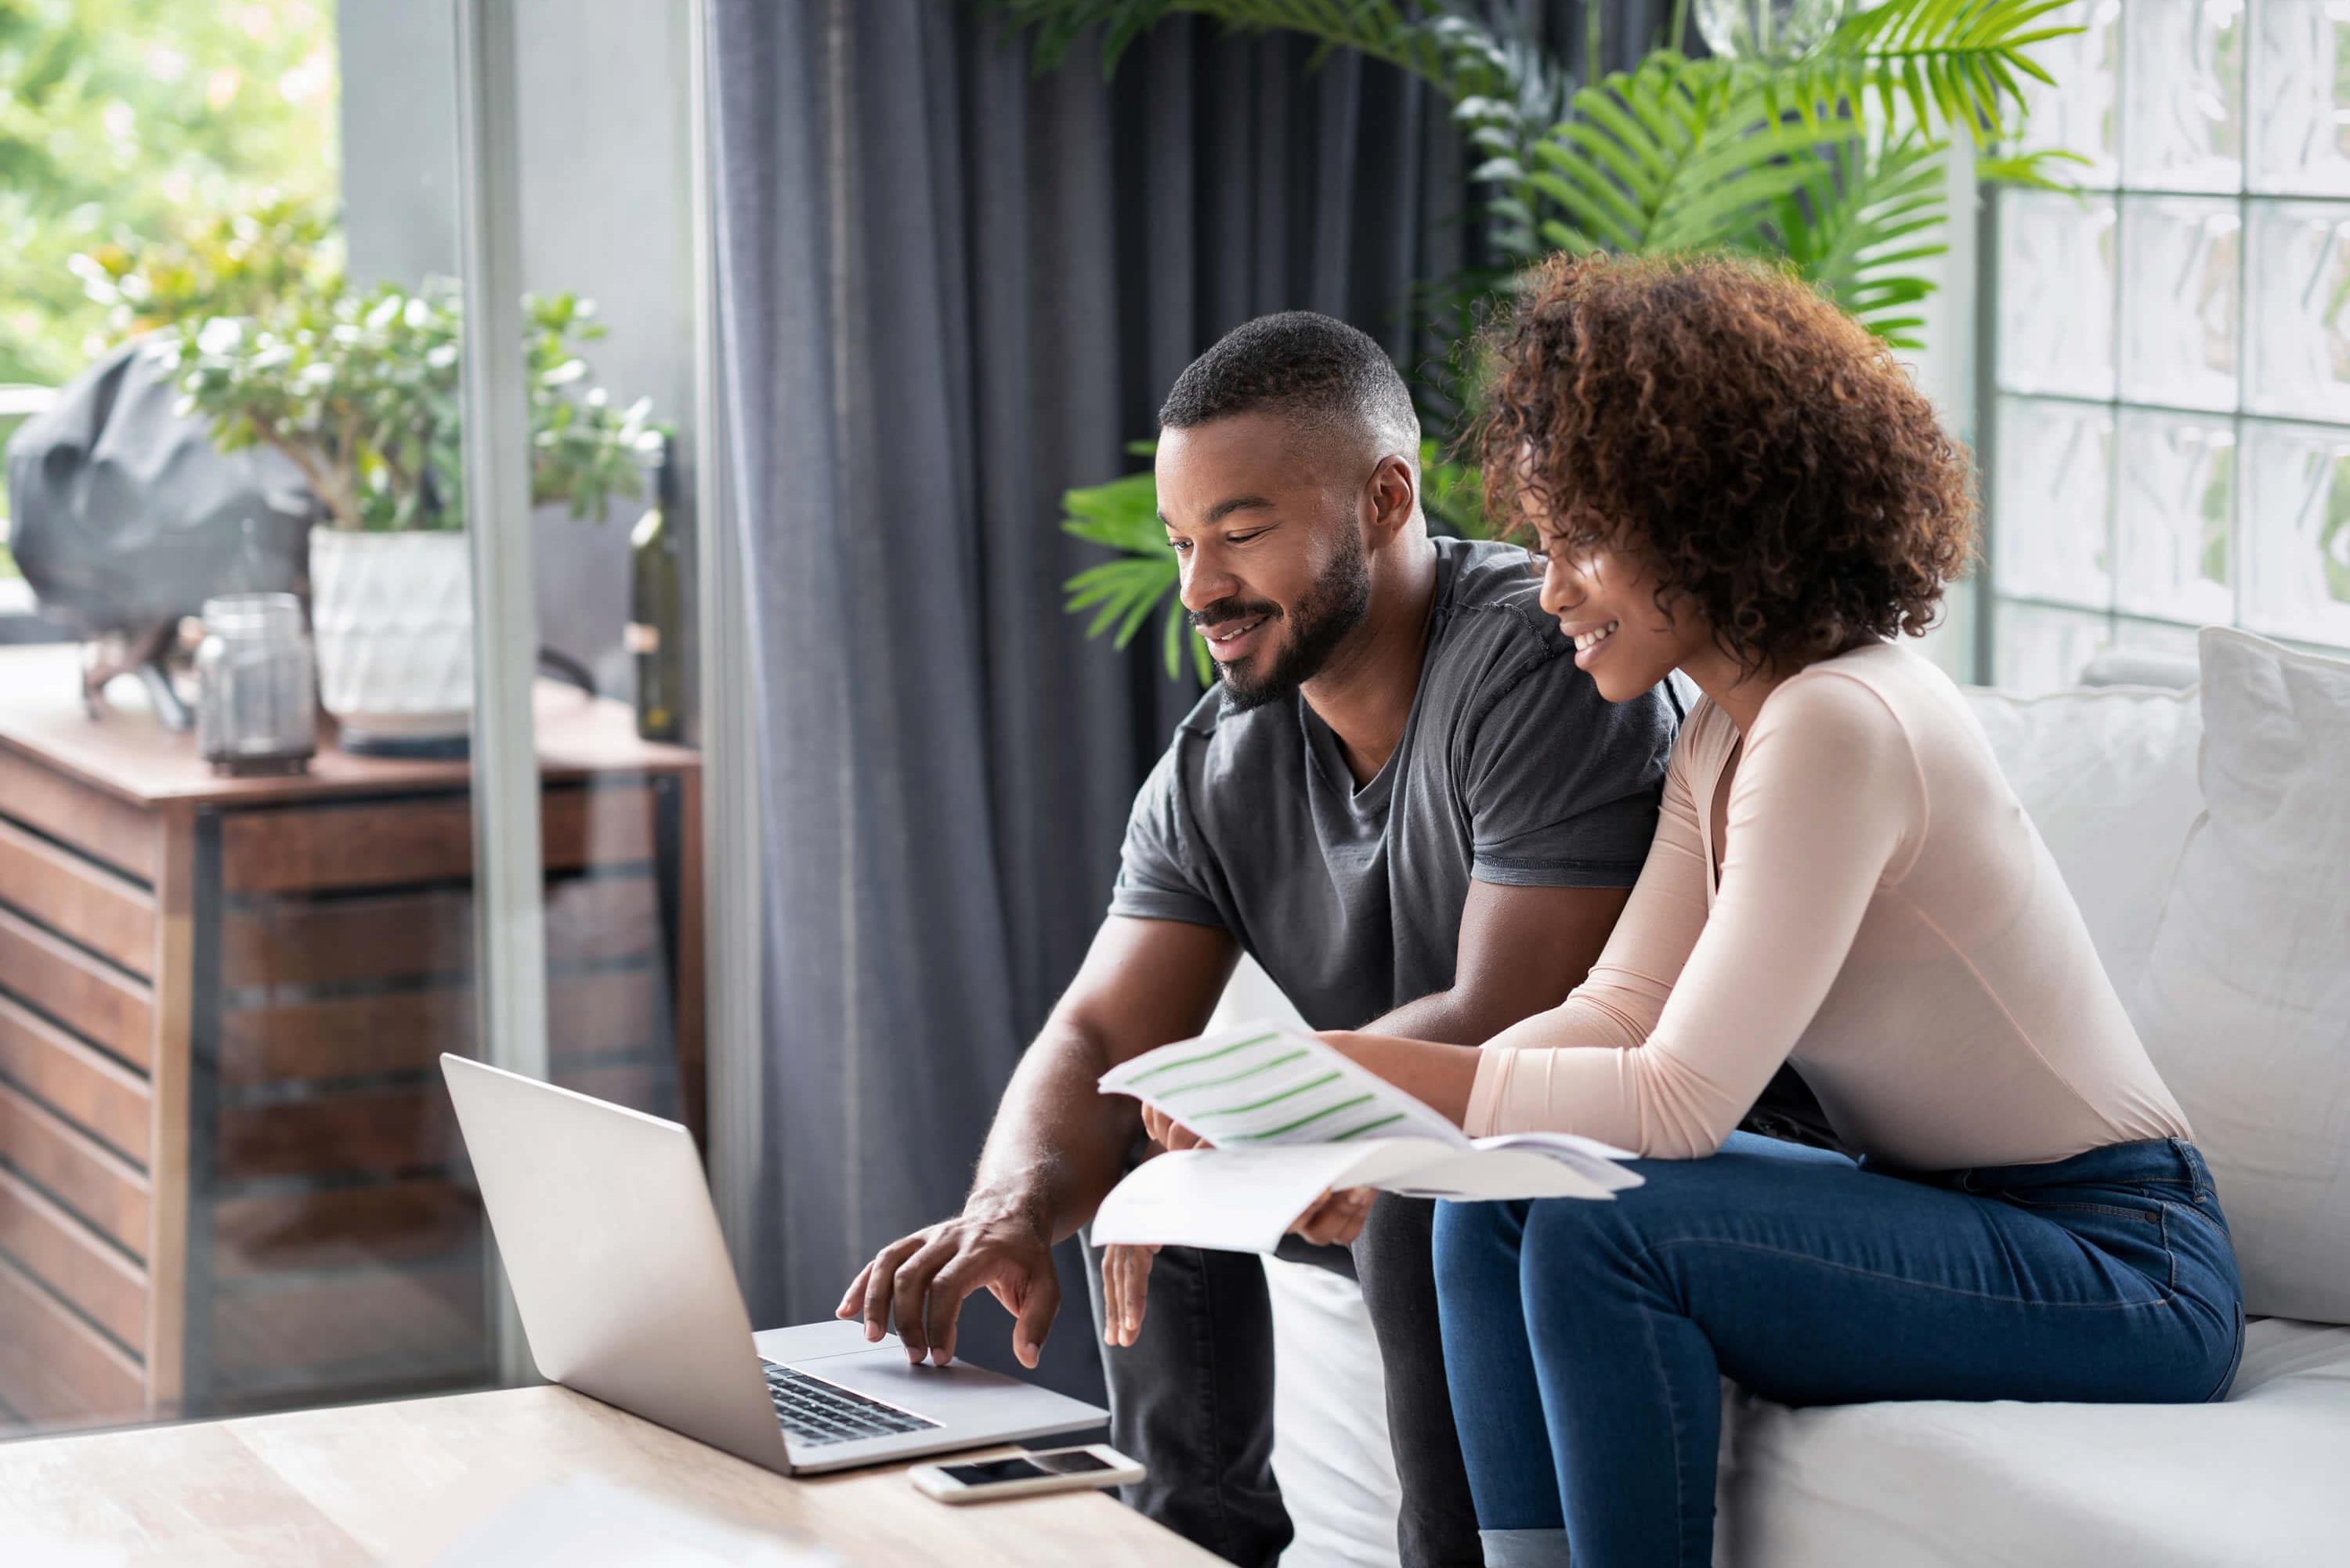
{"x":1678,"y":155}
{"x":1952,"y":64}
{"x":1859,"y":225}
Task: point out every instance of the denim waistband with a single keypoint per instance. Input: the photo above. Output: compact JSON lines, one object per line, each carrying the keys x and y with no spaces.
{"x":2162,"y":1159}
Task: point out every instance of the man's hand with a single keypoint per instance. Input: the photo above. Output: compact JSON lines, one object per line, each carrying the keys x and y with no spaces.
{"x":1336,"y":1218}
{"x":1125,"y":1277}
{"x":921,"y":1280}
{"x":1126,"y":1270}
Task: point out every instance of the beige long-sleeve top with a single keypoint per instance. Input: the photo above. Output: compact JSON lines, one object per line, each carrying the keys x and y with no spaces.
{"x":1886,"y":917}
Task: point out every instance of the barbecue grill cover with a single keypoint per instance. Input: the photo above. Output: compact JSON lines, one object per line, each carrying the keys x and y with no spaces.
{"x":123,"y":514}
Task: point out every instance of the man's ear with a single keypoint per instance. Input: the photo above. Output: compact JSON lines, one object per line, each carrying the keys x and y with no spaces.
{"x":1393,"y":495}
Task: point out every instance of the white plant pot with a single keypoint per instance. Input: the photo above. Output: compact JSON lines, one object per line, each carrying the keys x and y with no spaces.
{"x":393,"y":617}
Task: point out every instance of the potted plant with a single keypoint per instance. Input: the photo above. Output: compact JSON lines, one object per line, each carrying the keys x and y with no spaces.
{"x":359,"y":389}
{"x":1814,"y":133}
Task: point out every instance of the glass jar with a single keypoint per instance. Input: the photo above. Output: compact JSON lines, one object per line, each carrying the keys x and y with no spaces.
{"x":257,"y":685}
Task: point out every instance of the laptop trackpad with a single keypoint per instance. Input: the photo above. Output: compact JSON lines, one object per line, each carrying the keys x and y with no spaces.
{"x":808,"y":1341}
{"x":886,"y":1376}
{"x":837,"y":1353}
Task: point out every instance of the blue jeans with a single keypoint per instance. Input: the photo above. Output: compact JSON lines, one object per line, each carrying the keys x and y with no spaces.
{"x":1584,"y":1342}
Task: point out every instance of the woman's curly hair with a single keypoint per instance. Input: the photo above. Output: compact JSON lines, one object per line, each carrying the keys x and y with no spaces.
{"x":1722,"y":422}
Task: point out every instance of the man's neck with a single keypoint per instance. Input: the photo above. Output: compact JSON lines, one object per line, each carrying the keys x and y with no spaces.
{"x":1364,"y":692}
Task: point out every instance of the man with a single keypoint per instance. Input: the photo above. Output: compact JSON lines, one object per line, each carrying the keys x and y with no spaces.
{"x":1408,"y":804}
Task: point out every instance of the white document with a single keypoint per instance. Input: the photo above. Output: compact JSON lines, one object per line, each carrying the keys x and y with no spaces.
{"x":1261,"y":1084}
{"x":1290,"y":1119}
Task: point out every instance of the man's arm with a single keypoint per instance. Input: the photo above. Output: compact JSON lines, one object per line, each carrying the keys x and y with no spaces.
{"x":1058,"y":1144}
{"x":1522,"y":950}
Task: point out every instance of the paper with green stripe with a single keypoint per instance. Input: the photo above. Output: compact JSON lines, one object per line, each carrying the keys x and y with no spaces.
{"x":1290,"y":1118}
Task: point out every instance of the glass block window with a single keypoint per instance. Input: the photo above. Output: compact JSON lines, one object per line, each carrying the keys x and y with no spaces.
{"x":2167,"y":410}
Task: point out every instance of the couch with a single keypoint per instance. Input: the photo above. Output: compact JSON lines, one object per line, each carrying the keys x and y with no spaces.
{"x":2204,"y":828}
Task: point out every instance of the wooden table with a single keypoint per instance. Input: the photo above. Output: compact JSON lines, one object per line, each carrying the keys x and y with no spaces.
{"x":372,"y":1483}
{"x":229,"y":1176}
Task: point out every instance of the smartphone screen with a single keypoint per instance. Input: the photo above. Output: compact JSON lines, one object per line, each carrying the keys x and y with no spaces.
{"x":1026,"y":1467}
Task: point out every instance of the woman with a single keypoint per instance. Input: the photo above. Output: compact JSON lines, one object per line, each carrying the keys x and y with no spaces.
{"x":1726,"y":476}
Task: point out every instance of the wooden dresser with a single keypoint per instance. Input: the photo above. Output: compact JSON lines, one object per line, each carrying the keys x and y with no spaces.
{"x":229,"y":1177}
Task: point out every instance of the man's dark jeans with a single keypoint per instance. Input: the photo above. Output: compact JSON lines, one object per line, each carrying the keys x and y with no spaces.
{"x":1192,"y":1398}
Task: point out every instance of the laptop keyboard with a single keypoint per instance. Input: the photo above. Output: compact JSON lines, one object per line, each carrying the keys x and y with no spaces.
{"x":816,"y":1412}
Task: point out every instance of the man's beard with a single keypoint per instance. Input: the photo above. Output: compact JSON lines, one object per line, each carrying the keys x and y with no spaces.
{"x":1332,"y":607}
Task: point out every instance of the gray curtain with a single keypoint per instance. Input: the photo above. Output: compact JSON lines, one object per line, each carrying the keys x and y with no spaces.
{"x":949,"y":289}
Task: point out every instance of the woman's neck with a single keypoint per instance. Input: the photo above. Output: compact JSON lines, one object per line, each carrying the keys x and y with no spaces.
{"x":1739,"y":690}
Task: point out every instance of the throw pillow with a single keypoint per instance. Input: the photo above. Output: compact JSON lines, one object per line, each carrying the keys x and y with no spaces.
{"x":2107,"y":775}
{"x":2246,"y":1004}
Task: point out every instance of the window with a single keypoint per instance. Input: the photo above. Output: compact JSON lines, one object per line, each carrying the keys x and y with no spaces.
{"x":2169,"y":429}
{"x":229,"y":1179}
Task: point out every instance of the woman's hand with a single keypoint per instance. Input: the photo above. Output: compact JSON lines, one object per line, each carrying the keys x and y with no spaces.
{"x":1439,"y":1076}
{"x":1169,"y":1133}
{"x":1336,"y":1218}
{"x":1126,"y":1282}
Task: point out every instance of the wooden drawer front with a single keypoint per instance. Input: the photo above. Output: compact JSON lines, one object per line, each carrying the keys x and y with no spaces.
{"x":391,"y":844}
{"x":56,"y":1368}
{"x":384,"y":1132}
{"x":101,"y":1187}
{"x":350,"y":1325}
{"x":72,"y":812}
{"x":93,"y":1091}
{"x":286,"y":942}
{"x":344,"y":1227}
{"x":95,"y":1000}
{"x":393,"y":1132}
{"x":102,"y":910}
{"x":413,"y":936}
{"x":55,"y":1248}
{"x":356,"y":1036}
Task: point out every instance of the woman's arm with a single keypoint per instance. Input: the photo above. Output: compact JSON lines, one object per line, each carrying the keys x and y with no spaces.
{"x":1620,"y":1000}
{"x":1618,"y":1003}
{"x":1827,"y":805}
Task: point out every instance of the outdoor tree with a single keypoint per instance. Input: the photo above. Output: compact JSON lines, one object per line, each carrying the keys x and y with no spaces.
{"x":123,"y":122}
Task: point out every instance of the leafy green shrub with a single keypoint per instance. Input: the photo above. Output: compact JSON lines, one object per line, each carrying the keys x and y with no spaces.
{"x":359,"y":390}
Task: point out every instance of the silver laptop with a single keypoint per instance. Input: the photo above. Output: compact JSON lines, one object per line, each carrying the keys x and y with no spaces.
{"x":604,"y":1221}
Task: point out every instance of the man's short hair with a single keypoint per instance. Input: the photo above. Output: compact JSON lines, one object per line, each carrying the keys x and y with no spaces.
{"x":1313,"y":368}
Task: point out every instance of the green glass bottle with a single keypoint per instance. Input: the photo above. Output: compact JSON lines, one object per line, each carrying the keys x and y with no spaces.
{"x":657,"y":604}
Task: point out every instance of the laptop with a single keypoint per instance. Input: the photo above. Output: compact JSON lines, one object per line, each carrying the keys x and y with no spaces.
{"x":605,"y":1224}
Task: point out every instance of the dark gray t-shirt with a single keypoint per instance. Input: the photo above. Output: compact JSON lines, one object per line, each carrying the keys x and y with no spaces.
{"x":1511,"y":769}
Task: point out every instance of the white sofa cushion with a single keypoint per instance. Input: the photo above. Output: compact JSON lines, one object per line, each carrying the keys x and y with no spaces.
{"x":2246,"y":1003}
{"x":2108,"y":778}
{"x":1331,"y":1452}
{"x":2258,"y":1480}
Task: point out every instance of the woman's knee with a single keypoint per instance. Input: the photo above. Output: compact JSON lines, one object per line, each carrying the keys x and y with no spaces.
{"x":1476,"y":1246}
{"x":1572,"y":1235}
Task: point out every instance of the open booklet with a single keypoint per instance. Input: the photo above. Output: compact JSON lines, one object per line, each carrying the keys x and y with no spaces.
{"x":1289,"y":1119}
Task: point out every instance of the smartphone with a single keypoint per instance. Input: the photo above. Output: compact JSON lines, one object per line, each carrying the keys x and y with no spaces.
{"x":1024,"y":1475}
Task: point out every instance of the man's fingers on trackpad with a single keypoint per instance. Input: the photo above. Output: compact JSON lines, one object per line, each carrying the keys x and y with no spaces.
{"x":881,"y":1285}
{"x":947,"y":1291}
{"x":913,"y":1297}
